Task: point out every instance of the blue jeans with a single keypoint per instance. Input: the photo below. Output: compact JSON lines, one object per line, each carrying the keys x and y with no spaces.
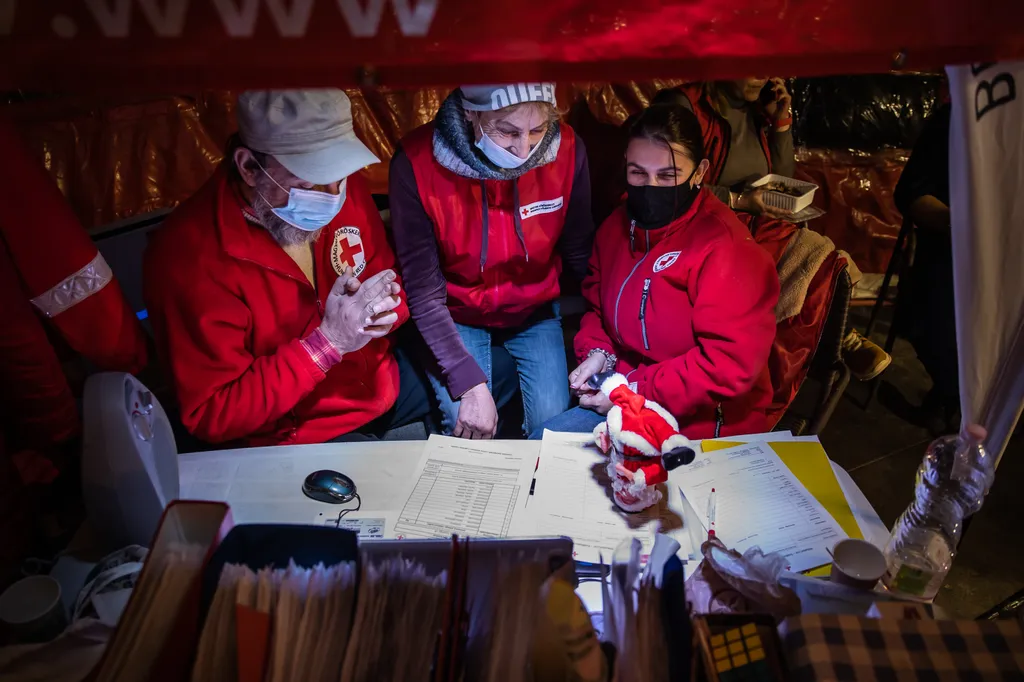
{"x":538,"y":349}
{"x":576,"y":420}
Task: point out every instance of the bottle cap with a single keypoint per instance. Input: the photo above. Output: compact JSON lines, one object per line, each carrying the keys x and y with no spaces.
{"x":976,"y":432}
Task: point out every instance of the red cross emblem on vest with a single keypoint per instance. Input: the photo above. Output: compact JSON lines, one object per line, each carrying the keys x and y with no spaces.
{"x":347,"y":251}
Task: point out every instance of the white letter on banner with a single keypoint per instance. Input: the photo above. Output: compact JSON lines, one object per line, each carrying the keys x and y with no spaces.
{"x":415,"y":22}
{"x":169,"y":22}
{"x":291,"y":23}
{"x":113,"y":23}
{"x":986,"y":90}
{"x":362,"y":24}
{"x":238,"y":23}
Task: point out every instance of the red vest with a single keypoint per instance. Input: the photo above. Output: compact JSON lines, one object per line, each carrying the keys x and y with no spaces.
{"x":717,"y":131}
{"x":513,"y":283}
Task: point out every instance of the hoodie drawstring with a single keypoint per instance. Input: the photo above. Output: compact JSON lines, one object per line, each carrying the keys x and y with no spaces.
{"x":516,"y":219}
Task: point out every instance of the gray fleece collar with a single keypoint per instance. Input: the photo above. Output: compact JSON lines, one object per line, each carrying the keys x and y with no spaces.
{"x":454,"y":146}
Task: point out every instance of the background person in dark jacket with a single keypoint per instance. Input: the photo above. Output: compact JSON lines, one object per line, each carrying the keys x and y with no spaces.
{"x":926,"y":304}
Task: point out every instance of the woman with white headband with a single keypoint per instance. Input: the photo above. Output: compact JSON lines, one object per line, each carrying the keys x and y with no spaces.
{"x":488,"y":203}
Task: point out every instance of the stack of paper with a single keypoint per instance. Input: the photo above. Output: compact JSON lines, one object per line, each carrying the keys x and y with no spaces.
{"x":760,"y":502}
{"x":805,"y":457}
{"x":273,"y":625}
{"x":396,"y":623}
{"x":773,"y":490}
{"x":518,"y":609}
{"x":467,"y":488}
{"x":298,"y":623}
{"x":157,"y":626}
{"x":154,"y":608}
{"x":573,"y":497}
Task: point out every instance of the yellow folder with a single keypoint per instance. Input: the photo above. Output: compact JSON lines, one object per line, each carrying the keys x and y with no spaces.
{"x":810,"y":465}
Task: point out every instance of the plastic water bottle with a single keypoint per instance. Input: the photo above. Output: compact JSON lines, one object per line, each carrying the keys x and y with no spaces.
{"x":952,"y":482}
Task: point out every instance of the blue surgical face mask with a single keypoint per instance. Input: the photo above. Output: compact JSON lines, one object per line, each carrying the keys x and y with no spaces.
{"x":308,"y":209}
{"x":498,"y":155}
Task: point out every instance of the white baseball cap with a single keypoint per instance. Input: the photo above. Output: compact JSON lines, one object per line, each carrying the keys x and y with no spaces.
{"x":309,"y":131}
{"x":495,"y":97}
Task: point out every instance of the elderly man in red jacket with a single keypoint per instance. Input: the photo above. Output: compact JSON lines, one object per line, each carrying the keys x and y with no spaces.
{"x":271,"y":290}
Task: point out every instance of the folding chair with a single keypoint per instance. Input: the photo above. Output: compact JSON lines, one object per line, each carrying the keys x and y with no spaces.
{"x":828,"y":376}
{"x":899,"y":263}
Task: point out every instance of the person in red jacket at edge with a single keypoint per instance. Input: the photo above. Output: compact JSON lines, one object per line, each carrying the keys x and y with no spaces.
{"x":487,"y":203}
{"x":681,"y":298}
{"x":271,"y":290}
{"x":62,"y":308}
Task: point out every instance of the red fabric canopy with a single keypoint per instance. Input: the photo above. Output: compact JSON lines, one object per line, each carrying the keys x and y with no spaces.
{"x":174,"y":45}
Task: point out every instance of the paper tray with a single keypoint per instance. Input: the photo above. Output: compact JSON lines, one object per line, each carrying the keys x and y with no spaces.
{"x":783,"y":201}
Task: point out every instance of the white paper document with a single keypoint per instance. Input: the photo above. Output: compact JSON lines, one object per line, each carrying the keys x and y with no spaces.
{"x":264,"y":485}
{"x":761,"y":503}
{"x":573,"y":497}
{"x":471,"y":488}
{"x":368,"y":525}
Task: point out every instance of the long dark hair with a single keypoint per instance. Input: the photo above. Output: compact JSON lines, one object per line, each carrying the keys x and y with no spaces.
{"x":669,"y":122}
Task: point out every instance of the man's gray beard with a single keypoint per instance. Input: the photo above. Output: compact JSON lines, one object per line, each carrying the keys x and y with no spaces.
{"x":283,"y":233}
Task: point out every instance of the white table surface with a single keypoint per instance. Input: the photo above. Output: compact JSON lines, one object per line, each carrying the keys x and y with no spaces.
{"x":266,"y":483}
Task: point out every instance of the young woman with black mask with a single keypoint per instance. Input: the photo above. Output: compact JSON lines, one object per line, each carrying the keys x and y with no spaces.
{"x":681,"y":298}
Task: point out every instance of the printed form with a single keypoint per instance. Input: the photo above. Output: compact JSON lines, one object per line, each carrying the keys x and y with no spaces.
{"x":573,"y":497}
{"x":760,"y":503}
{"x":472,"y":488}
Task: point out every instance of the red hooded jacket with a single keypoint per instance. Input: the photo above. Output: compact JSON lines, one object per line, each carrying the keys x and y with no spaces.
{"x":689,"y":311}
{"x":796,"y":338}
{"x":229,"y":308}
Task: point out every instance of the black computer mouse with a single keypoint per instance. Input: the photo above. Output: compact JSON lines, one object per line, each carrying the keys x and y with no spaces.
{"x":329,"y":486}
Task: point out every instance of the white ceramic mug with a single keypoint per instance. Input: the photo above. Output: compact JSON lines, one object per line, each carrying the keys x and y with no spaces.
{"x":31,"y":609}
{"x":857,"y":563}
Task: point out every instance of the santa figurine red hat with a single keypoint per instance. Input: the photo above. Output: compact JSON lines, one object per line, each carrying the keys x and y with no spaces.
{"x":643,"y":442}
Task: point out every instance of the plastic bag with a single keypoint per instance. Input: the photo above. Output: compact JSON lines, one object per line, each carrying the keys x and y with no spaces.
{"x":729,"y":582}
{"x":863,"y":113}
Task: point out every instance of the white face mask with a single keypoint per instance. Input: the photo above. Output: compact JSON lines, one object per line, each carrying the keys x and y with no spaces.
{"x":499,"y":156}
{"x":308,"y":209}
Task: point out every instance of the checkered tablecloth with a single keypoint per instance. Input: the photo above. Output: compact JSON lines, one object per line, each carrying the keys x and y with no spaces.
{"x":842,"y":647}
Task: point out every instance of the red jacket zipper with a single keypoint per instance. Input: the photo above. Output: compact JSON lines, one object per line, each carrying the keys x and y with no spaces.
{"x":615,"y":319}
{"x":643,"y":311}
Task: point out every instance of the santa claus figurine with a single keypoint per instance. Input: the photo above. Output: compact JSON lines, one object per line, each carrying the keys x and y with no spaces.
{"x":643,"y":442}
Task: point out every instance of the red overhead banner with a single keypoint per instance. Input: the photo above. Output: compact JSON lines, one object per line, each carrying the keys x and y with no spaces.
{"x":172,"y":45}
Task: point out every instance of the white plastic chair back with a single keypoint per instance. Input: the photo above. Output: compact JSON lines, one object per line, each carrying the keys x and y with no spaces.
{"x":129,"y":459}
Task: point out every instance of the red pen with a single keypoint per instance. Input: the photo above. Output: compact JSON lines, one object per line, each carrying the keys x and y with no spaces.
{"x":712,"y":509}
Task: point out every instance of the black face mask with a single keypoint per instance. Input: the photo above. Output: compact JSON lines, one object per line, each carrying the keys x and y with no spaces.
{"x":653,"y":207}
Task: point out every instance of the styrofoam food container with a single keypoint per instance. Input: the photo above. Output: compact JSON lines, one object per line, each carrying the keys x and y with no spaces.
{"x":784,"y":201}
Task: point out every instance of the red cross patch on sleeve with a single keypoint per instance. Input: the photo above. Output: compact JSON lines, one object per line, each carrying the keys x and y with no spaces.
{"x":347,"y":251}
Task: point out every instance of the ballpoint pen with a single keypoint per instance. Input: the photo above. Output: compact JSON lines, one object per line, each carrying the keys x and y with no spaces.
{"x":712,"y":509}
